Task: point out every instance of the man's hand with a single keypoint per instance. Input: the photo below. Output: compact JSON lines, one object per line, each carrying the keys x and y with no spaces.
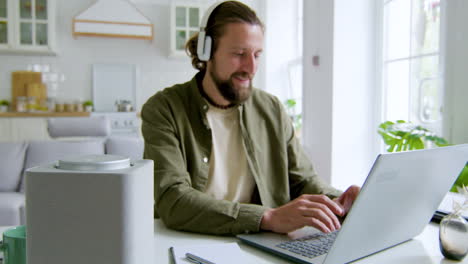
{"x":347,"y":198}
{"x":317,"y":211}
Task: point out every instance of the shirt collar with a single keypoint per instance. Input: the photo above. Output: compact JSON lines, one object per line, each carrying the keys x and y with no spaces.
{"x":199,"y":100}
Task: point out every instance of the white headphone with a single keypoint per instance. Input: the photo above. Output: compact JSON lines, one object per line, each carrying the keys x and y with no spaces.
{"x":204,"y":41}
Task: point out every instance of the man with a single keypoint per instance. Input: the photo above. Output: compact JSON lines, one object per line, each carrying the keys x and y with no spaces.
{"x":226,"y":158}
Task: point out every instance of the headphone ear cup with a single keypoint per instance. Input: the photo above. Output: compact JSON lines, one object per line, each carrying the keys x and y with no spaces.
{"x":207,"y":50}
{"x":204,"y":47}
{"x":200,"y":44}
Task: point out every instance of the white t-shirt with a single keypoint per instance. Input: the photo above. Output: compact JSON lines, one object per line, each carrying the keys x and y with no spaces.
{"x":228,"y":177}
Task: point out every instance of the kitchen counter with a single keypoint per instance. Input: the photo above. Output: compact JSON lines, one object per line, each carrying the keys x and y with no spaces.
{"x":27,"y":126}
{"x":44,"y":114}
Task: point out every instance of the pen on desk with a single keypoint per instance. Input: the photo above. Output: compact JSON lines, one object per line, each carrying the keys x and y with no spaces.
{"x":196,"y":259}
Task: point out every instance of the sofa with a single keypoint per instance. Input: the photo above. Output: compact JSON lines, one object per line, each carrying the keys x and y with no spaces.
{"x":16,"y":157}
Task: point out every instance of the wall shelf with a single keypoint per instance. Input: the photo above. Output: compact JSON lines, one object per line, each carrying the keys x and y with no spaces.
{"x":45,"y":114}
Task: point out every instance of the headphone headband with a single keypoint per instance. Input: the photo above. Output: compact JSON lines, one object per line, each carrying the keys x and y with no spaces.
{"x":207,"y":14}
{"x":204,"y":41}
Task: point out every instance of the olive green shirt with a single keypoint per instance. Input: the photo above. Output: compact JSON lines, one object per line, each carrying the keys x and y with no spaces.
{"x":178,"y":139}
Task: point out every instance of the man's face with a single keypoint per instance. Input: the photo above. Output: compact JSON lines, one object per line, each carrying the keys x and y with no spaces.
{"x":235,"y":61}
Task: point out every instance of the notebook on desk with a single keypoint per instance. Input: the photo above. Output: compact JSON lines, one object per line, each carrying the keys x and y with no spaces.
{"x":225,"y":253}
{"x":397,"y":200}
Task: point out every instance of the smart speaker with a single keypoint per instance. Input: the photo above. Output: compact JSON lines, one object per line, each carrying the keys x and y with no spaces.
{"x":94,"y":209}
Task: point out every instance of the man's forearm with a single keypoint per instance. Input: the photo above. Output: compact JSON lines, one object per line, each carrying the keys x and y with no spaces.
{"x":191,"y":210}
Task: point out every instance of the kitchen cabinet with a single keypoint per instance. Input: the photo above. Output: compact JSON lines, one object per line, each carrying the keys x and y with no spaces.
{"x":33,"y":126}
{"x":23,"y":129}
{"x":29,"y":126}
{"x":27,"y":26}
{"x":185,"y":22}
{"x":122,"y":123}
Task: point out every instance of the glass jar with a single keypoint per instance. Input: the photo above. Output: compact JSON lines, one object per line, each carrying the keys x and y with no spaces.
{"x":32,"y":104}
{"x":50,"y":104}
{"x":78,"y":106}
{"x":69,"y":107}
{"x":21,"y":104}
{"x":453,"y":236}
{"x":59,"y":107}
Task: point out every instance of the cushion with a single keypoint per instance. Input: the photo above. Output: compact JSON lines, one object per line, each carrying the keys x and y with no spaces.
{"x":45,"y":152}
{"x":10,"y":208}
{"x":127,"y":146}
{"x":11,"y":165}
{"x":95,"y":126}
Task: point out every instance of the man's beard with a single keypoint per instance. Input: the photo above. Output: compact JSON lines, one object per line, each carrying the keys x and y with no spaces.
{"x":235,"y":95}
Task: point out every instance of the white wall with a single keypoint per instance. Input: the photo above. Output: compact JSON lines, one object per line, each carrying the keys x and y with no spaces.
{"x":456,"y":77}
{"x":76,"y":56}
{"x":355,"y":109}
{"x":339,"y":94}
{"x":318,"y":85}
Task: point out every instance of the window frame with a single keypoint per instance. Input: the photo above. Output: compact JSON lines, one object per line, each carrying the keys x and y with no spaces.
{"x":174,"y":52}
{"x":13,"y":45}
{"x":413,"y":115}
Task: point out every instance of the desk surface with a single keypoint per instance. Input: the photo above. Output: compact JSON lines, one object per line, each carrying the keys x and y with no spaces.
{"x":423,"y":249}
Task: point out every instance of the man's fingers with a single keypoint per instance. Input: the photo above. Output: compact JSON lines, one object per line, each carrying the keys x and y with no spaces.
{"x":314,"y":222}
{"x":324,"y":215}
{"x":317,"y":211}
{"x":348,"y":197}
{"x":322,"y":199}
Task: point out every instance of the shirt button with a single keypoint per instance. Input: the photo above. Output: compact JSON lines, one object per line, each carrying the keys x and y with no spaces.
{"x":205,"y":107}
{"x":205,"y":160}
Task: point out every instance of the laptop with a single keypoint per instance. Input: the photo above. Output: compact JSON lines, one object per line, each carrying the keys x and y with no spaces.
{"x":396,"y":202}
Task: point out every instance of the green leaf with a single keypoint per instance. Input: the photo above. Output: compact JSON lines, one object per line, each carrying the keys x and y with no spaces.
{"x":403,"y":136}
{"x":290,"y":103}
{"x":462,"y":180}
{"x":418,"y":144}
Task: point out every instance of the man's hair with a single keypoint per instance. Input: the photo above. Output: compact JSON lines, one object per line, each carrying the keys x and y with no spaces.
{"x":225,"y":13}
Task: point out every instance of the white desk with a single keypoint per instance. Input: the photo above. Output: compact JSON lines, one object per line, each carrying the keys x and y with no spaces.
{"x":423,"y":249}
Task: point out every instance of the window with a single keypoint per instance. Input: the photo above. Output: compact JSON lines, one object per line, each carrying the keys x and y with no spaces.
{"x":283,"y":56}
{"x":26,"y":25}
{"x":412,"y":83}
{"x":33,"y":22}
{"x":295,"y":70}
{"x":185,"y":23}
{"x":3,"y":22}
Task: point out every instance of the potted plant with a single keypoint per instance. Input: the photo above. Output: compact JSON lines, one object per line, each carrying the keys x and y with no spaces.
{"x":291,"y":105}
{"x":403,"y":136}
{"x":4,"y":105}
{"x":88,"y":106}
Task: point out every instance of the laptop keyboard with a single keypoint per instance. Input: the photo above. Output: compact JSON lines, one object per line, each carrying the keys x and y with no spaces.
{"x":310,"y":246}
